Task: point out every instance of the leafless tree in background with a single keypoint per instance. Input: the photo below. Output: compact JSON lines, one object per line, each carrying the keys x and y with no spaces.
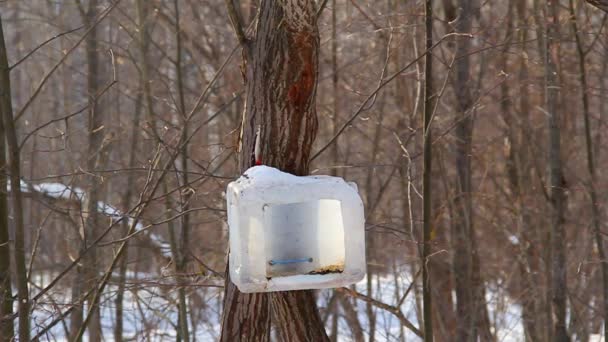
{"x":13,"y":169}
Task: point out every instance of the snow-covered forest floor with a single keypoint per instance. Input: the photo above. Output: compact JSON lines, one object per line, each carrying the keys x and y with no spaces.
{"x":150,"y":314}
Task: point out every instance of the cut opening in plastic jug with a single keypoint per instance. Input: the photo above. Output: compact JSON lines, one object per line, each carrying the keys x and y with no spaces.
{"x":294,"y":233}
{"x":304,"y":238}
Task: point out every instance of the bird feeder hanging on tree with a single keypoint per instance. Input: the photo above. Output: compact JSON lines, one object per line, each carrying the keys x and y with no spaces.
{"x":294,"y":233}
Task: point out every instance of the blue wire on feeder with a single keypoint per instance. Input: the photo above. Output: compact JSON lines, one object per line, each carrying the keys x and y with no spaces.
{"x":288,"y":261}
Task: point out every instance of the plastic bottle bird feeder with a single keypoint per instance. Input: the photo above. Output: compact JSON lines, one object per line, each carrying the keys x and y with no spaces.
{"x":294,"y":233}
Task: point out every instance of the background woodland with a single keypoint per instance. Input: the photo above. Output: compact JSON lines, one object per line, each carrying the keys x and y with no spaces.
{"x":126,"y":120}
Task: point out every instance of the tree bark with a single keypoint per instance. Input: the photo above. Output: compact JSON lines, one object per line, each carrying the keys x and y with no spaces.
{"x":181,"y":259}
{"x":558,"y":288}
{"x":142,"y":46}
{"x":6,"y":292}
{"x":517,"y":165}
{"x":335,"y":152}
{"x":14,"y":171}
{"x":87,"y":275}
{"x":429,"y":107}
{"x":595,"y":210}
{"x":281,"y":71}
{"x":463,"y":233}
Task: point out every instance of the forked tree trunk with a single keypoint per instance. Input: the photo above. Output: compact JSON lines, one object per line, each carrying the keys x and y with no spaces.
{"x":281,"y":70}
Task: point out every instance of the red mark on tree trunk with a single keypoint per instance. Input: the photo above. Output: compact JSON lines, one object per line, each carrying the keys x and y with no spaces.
{"x":302,"y":55}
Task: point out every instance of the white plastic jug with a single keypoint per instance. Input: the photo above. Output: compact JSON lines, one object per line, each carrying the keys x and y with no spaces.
{"x":294,"y":233}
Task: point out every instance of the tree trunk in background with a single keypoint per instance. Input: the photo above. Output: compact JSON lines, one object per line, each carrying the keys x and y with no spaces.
{"x":592,"y":186}
{"x":463,"y":234}
{"x":180,"y":259}
{"x":517,"y":169}
{"x":142,"y":45}
{"x":352,"y":318}
{"x":544,"y":233}
{"x":14,"y":171}
{"x":558,"y":286}
{"x":335,"y":90}
{"x":87,"y":277}
{"x":6,"y":292}
{"x":598,"y":143}
{"x":427,"y":203}
{"x":281,"y":71}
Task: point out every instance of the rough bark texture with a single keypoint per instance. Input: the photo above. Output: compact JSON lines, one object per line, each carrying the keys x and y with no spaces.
{"x":558,"y":287}
{"x":463,"y":226}
{"x":281,"y":70}
{"x":334,"y":82}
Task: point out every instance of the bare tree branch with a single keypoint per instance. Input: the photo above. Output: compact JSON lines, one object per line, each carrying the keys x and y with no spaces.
{"x":62,"y":60}
{"x":392,"y":309}
{"x":237,"y":22}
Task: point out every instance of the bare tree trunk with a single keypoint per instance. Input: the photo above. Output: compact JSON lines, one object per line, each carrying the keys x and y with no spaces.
{"x":352,"y":318}
{"x":281,"y":71}
{"x":441,"y":264}
{"x":14,"y":171}
{"x":530,"y":235}
{"x":335,"y":90}
{"x":87,"y":277}
{"x":595,"y":210}
{"x":556,"y":179}
{"x":544,"y":234}
{"x":427,"y":205}
{"x":463,"y":225}
{"x":517,"y":165}
{"x":180,"y":258}
{"x":6,"y":292}
{"x":126,"y":202}
{"x":142,"y":45}
{"x":372,"y":202}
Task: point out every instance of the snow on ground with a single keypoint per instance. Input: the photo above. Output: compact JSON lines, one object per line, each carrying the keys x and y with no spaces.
{"x":58,"y":190}
{"x":150,"y":314}
{"x":149,"y":310}
{"x":149,"y":306}
{"x":65,"y":192}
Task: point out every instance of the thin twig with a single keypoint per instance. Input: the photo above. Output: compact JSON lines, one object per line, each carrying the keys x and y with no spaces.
{"x":65,"y":56}
{"x":237,"y":23}
{"x":392,"y":309}
{"x":377,"y":90}
{"x":42,"y":45}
